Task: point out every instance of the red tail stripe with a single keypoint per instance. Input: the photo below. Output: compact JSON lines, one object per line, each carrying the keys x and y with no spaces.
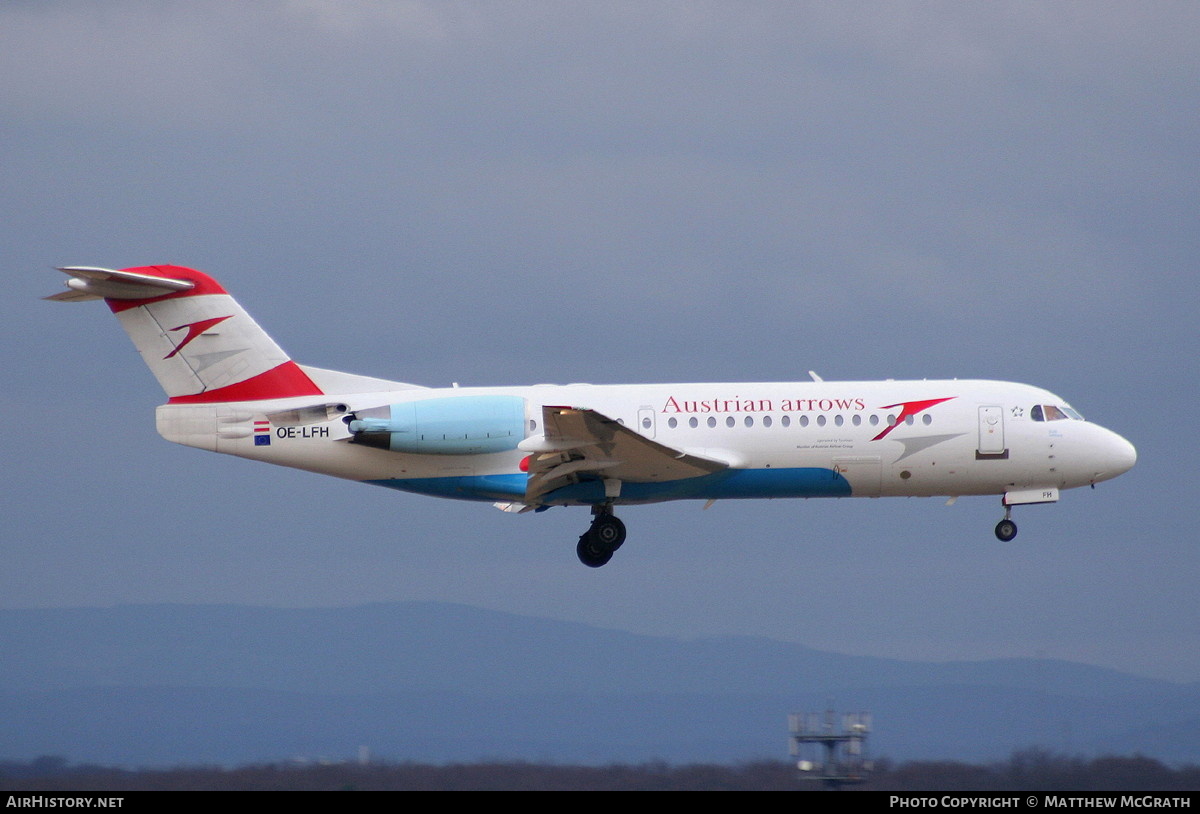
{"x":277,"y":383}
{"x":204,"y":285}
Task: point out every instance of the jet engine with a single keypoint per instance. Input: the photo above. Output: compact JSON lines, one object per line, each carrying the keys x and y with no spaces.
{"x":456,"y":425}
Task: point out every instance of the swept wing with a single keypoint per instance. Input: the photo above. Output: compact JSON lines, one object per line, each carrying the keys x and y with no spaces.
{"x":581,"y":444}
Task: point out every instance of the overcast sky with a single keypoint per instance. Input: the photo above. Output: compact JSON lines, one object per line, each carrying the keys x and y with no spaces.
{"x":512,"y":193}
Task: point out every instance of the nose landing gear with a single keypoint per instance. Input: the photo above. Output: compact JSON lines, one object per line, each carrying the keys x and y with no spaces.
{"x":1006,"y":529}
{"x":597,"y":544}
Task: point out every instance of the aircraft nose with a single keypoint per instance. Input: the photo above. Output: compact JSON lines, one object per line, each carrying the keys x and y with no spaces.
{"x":1118,"y":456}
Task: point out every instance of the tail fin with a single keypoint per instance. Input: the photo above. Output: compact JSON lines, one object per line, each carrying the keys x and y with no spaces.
{"x":199,"y":343}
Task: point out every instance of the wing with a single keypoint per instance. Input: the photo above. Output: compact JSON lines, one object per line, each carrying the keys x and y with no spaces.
{"x":580,"y":444}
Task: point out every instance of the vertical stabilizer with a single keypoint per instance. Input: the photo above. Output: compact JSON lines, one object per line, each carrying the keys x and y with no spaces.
{"x":200,"y":344}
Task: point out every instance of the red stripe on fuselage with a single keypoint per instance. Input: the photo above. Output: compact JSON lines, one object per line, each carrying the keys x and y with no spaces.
{"x":281,"y":382}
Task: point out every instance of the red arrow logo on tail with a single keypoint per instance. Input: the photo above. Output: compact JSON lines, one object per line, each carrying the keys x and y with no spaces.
{"x":194,"y":330}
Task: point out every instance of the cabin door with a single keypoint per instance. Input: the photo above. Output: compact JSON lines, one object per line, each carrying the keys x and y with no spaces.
{"x":991,"y":430}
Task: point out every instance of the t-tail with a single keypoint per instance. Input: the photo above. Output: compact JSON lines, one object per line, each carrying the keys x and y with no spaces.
{"x":200,"y":344}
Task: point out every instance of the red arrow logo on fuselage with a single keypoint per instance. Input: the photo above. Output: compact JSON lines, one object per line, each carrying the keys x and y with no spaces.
{"x":909,"y":408}
{"x":194,"y":330}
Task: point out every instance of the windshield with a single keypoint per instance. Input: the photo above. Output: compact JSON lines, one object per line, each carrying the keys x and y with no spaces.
{"x":1053,"y":412}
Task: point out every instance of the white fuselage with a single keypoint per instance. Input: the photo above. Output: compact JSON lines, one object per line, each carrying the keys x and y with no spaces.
{"x":232,"y":389}
{"x":796,"y":439}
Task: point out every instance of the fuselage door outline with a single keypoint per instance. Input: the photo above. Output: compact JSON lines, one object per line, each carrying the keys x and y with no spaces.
{"x":991,"y":432}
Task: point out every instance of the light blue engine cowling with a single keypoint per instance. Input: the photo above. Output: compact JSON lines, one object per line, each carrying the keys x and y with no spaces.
{"x":457,"y":425}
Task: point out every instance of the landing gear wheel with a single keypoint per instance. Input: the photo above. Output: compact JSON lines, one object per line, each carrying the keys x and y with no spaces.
{"x":597,"y":544}
{"x":590,"y":553}
{"x":1006,"y":530}
{"x":607,"y":531}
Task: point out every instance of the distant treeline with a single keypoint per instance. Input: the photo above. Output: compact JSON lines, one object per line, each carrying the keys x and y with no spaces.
{"x":1032,"y":770}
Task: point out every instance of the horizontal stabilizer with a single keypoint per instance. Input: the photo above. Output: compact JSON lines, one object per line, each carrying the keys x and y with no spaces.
{"x":92,"y":283}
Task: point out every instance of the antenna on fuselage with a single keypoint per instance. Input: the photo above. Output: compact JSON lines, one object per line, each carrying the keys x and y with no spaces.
{"x":815,"y":377}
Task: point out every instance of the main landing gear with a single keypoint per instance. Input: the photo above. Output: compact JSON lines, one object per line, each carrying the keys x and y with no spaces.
{"x":1006,"y":529}
{"x":597,"y":544}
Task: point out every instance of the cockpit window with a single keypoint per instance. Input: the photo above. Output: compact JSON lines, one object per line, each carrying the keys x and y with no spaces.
{"x":1051,"y":412}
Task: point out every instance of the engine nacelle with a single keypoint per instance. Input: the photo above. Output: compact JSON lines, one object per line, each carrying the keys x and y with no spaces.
{"x":456,"y":425}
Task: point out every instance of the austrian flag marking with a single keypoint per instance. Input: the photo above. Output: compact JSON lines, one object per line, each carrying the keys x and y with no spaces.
{"x":262,"y":433}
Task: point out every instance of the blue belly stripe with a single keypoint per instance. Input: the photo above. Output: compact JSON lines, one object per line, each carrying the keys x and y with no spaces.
{"x":724,"y":485}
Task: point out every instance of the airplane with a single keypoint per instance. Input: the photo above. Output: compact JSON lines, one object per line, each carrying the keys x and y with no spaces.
{"x":231,"y":389}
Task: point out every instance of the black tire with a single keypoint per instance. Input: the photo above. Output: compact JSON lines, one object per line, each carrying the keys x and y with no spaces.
{"x":1006,"y":530}
{"x":590,"y":554}
{"x":607,"y":531}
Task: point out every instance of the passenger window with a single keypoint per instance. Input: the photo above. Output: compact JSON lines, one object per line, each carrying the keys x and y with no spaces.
{"x":908,"y":420}
{"x":749,"y":421}
{"x":837,"y":419}
{"x":729,"y":422}
{"x":672,"y":423}
{"x":692,"y":422}
{"x":820,"y":421}
{"x":803,"y":421}
{"x":927,"y":419}
{"x":874,"y":420}
{"x":712,"y":422}
{"x":857,"y":420}
{"x":766,"y":421}
{"x":786,"y":421}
